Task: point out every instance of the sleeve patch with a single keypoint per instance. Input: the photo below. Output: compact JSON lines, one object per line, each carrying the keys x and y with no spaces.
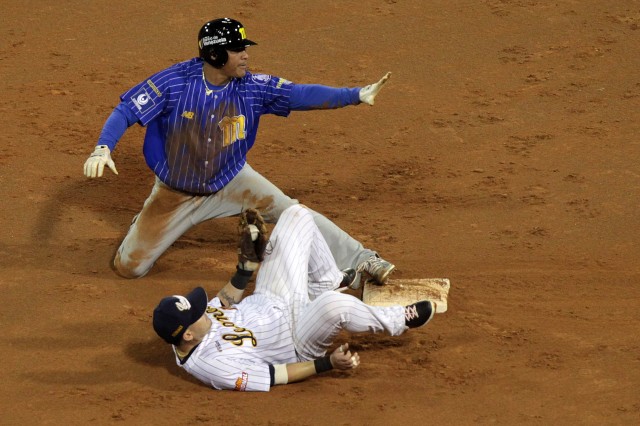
{"x":261,"y":78}
{"x":154,"y":87}
{"x":281,"y":82}
{"x":142,"y":100}
{"x":241,"y":382}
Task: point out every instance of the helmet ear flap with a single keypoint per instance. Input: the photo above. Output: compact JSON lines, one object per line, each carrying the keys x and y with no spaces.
{"x":217,"y":57}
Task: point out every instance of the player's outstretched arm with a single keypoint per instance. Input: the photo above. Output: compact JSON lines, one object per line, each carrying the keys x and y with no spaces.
{"x":306,"y":97}
{"x":116,"y":125}
{"x":341,"y":359}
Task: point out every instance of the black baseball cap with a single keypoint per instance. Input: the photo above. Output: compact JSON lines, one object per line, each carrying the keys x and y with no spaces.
{"x":174,"y":314}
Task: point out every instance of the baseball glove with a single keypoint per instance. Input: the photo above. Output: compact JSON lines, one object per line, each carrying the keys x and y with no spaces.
{"x":253,"y":239}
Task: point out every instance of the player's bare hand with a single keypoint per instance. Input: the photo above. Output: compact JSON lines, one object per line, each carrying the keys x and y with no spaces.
{"x":343,"y":359}
{"x":94,"y":166}
{"x":368,"y":93}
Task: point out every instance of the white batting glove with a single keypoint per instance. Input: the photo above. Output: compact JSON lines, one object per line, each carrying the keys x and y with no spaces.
{"x":368,"y":93}
{"x":94,"y":166}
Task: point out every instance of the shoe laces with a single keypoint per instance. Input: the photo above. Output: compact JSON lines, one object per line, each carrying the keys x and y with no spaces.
{"x":411,"y":312}
{"x":369,"y":265}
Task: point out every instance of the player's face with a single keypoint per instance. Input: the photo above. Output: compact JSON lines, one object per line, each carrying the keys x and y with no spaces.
{"x":237,"y":64}
{"x":200,"y":328}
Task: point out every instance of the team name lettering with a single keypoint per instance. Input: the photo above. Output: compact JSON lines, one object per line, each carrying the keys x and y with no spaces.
{"x":238,"y":339}
{"x":239,"y":335}
{"x":208,"y":41}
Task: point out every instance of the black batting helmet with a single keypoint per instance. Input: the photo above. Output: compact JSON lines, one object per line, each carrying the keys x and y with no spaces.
{"x":219,"y":35}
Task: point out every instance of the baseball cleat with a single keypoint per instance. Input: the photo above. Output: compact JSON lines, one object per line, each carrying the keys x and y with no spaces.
{"x":349,"y":277}
{"x":419,"y":313}
{"x":377,"y":268}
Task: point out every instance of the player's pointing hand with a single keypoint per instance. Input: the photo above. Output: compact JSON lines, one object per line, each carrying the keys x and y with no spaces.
{"x":94,"y":166}
{"x":368,"y":93}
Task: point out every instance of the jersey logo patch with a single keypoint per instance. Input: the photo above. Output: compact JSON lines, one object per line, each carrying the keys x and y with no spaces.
{"x":261,"y":78}
{"x":188,"y":115}
{"x":142,"y":100}
{"x":233,"y":129}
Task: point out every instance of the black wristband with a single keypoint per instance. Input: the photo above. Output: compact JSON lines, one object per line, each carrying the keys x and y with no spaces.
{"x":323,"y":364}
{"x":241,"y":278}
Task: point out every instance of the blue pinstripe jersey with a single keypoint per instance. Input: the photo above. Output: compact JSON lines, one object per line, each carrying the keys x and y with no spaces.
{"x":197,"y":142}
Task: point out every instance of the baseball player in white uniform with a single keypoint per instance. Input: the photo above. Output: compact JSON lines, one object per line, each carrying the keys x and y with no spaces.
{"x":281,"y":333}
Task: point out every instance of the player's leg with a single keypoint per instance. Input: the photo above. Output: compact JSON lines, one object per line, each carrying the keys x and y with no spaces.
{"x":323,"y":319}
{"x":321,"y":263}
{"x":348,"y":252}
{"x":162,"y":220}
{"x":251,"y":189}
{"x":248,"y":189}
{"x":298,"y":265}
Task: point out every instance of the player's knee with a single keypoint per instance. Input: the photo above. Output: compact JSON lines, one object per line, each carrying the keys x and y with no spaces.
{"x":129,"y":269}
{"x":273,"y":214}
{"x":334,"y":307}
{"x":297,"y":211}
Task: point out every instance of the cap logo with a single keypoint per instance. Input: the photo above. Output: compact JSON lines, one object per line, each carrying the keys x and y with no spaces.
{"x":242,"y":32}
{"x":182,"y":304}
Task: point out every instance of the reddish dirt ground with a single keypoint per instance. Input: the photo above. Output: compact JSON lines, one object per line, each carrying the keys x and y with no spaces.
{"x":503,"y":155}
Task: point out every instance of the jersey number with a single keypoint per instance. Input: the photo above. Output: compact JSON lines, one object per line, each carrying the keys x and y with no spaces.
{"x":232,"y":129}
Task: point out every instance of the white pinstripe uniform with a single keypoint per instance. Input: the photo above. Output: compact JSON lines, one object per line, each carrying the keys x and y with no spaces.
{"x":196,"y":144}
{"x":293,"y":315}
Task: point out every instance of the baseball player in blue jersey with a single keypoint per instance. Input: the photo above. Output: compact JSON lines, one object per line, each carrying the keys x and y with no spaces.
{"x":282,"y":332}
{"x":201,"y":119}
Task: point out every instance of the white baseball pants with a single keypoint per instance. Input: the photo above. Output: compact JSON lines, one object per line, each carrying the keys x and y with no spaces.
{"x":300,"y":273}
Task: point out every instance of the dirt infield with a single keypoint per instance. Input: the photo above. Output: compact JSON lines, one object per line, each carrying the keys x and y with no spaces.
{"x":503,"y":154}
